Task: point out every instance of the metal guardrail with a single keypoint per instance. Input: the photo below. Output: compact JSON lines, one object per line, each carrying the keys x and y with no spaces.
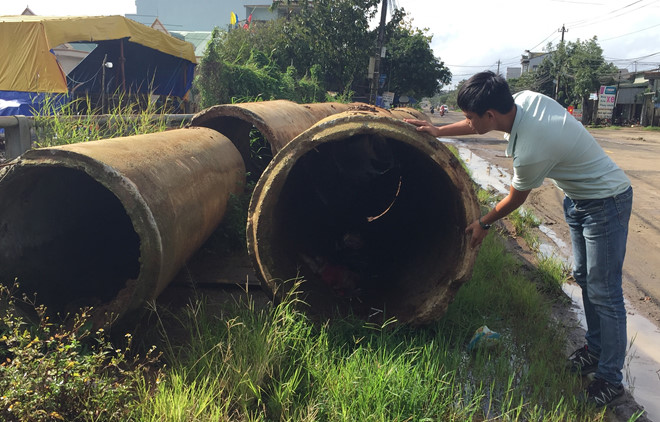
{"x":17,"y":134}
{"x":18,"y":129}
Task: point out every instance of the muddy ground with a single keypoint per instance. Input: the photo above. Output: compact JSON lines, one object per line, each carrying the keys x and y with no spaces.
{"x":637,"y":152}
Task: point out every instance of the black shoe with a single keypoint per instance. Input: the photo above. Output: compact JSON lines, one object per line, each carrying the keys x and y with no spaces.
{"x":582,"y":361}
{"x":601,"y":393}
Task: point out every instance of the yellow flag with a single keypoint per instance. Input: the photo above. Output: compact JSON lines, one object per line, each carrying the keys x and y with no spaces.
{"x":232,"y":18}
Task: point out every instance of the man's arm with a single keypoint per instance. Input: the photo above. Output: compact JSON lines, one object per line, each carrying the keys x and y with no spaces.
{"x":454,"y":129}
{"x":511,"y":202}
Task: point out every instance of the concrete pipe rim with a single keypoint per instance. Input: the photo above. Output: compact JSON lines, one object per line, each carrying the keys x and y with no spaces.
{"x":59,"y":160}
{"x":347,"y":125}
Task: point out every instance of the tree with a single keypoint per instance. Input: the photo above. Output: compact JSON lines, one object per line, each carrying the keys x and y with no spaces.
{"x":540,"y":80}
{"x":333,"y":34}
{"x":239,"y":66}
{"x":580,"y":68}
{"x":320,"y":45}
{"x":410,"y":65}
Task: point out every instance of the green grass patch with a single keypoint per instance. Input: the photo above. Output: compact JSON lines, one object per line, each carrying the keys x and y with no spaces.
{"x":262,"y":363}
{"x":524,"y":221}
{"x":245,"y":361}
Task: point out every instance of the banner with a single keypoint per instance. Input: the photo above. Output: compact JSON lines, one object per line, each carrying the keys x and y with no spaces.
{"x":388,"y":99}
{"x":606,"y":101}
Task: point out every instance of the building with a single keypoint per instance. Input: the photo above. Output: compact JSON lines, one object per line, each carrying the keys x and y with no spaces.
{"x":629,"y":98}
{"x":637,"y":98}
{"x":200,"y":15}
{"x":651,"y":107}
{"x":513,"y":72}
{"x":531,"y":61}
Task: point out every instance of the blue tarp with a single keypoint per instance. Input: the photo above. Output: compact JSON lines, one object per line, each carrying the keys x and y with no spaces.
{"x":145,"y":71}
{"x":13,"y":103}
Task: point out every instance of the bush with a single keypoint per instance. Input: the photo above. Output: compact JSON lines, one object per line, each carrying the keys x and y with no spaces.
{"x":64,"y":372}
{"x":221,"y":80}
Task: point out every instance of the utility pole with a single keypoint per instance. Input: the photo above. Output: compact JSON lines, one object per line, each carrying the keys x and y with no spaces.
{"x":375,"y":77}
{"x":498,"y":67}
{"x":562,"y":30}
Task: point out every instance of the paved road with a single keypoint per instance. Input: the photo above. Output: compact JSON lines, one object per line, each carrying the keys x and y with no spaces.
{"x":637,"y":152}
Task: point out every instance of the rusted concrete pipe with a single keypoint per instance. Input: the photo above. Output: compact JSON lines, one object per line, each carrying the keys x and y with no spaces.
{"x":408,"y":113}
{"x":109,"y":223}
{"x":371,"y":213}
{"x":276,"y":123}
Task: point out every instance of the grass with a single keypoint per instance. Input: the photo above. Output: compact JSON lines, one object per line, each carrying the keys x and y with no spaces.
{"x":64,"y":371}
{"x":253,"y":362}
{"x":79,"y":121}
{"x":249,"y":362}
{"x":524,"y":222}
{"x":272,"y":362}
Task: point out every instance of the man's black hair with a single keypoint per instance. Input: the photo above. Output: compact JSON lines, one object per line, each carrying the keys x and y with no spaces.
{"x":485,"y":91}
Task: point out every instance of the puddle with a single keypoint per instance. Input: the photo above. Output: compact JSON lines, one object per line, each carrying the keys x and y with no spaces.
{"x":641,"y":374}
{"x":642,"y":368}
{"x":487,"y":175}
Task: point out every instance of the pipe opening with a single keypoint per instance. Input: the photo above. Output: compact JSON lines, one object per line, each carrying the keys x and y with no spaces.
{"x":370,"y":222}
{"x":67,"y":237}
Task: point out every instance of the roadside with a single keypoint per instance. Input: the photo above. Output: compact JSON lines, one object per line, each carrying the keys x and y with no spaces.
{"x":634,"y":150}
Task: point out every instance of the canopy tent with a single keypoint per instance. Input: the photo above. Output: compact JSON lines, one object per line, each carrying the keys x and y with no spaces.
{"x":144,"y":59}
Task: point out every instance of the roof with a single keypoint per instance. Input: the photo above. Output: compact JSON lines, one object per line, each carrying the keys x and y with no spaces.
{"x":28,"y":40}
{"x":199,"y":39}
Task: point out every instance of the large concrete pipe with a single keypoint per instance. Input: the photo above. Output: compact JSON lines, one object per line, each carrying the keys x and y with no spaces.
{"x":408,"y":113}
{"x":276,"y":123}
{"x":371,"y":213}
{"x":109,"y":223}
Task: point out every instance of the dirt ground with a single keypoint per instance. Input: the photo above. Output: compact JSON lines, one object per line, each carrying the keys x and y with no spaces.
{"x":637,"y":152}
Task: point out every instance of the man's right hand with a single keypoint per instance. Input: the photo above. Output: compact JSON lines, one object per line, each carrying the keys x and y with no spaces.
{"x":423,"y":126}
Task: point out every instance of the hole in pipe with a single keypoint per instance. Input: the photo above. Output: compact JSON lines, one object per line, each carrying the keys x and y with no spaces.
{"x":324,"y":230}
{"x":66,"y":238}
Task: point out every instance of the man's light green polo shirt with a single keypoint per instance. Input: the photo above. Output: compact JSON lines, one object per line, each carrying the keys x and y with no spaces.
{"x":546,"y":141}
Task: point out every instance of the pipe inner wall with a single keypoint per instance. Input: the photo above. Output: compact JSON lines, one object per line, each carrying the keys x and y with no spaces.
{"x":65,"y":236}
{"x":370,"y":213}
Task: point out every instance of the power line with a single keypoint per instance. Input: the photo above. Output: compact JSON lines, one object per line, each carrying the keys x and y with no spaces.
{"x":553,"y":33}
{"x":611,"y":15}
{"x":629,"y":33}
{"x":639,"y":58}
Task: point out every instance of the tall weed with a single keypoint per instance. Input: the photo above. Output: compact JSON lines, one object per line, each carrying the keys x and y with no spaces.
{"x":79,"y":121}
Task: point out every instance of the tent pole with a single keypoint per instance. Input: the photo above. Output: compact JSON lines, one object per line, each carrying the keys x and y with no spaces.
{"x":185,"y":94}
{"x":122,"y":60}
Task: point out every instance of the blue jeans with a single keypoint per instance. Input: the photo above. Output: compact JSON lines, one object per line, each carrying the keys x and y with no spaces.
{"x":599,"y":230}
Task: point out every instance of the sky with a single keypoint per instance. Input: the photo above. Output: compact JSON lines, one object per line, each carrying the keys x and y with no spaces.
{"x":474,"y":35}
{"x":470,"y":36}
